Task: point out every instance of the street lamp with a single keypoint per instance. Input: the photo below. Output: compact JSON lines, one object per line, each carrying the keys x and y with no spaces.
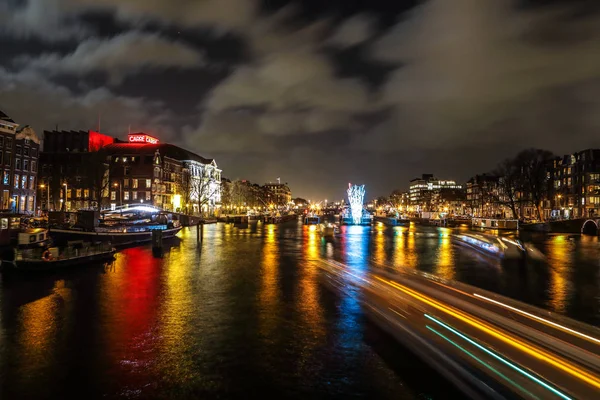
{"x":65,"y":197}
{"x":47,"y":196}
{"x":120,"y":197}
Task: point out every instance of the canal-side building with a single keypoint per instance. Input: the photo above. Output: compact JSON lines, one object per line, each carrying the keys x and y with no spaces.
{"x":73,"y":170}
{"x":576,"y":185}
{"x":164,"y":175}
{"x":87,"y":169}
{"x":426,"y":192}
{"x":19,"y":151}
{"x":278,"y":193}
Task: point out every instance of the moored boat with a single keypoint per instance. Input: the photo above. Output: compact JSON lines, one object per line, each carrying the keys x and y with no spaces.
{"x":312,"y":219}
{"x":496,"y":224}
{"x":127,"y":227}
{"x":22,"y":231}
{"x":114,"y":236}
{"x":328,"y":229}
{"x":54,"y":258}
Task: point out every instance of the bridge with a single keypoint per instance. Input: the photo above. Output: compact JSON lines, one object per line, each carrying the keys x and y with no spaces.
{"x":591,"y":226}
{"x":489,"y":346}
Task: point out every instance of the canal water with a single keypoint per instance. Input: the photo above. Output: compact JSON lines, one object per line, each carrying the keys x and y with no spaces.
{"x":244,"y":315}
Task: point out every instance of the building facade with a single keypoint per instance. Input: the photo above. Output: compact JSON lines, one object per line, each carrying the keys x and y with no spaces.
{"x":279,"y":193}
{"x":575,"y":182}
{"x":427,"y":192}
{"x":19,"y":152}
{"x":89,"y":169}
{"x":484,"y":196}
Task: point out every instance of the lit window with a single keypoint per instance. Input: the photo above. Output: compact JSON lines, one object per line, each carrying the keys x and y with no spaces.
{"x":86,"y":193}
{"x":126,"y":183}
{"x":125,"y":195}
{"x":78,"y":193}
{"x":17,"y":181}
{"x":32,"y":182}
{"x":134,"y":194}
{"x":148,"y":195}
{"x":148,"y":183}
{"x":24,"y":182}
{"x":6,"y":179}
{"x":134,"y":183}
{"x":113,"y":195}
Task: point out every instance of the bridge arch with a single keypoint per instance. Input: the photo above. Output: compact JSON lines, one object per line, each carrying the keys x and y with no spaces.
{"x":589,"y":227}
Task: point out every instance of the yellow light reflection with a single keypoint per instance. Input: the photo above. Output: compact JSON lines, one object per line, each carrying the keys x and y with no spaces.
{"x":269,"y":299}
{"x":379,"y":253}
{"x":312,"y":311}
{"x":405,"y":250}
{"x":399,"y":243}
{"x":38,"y":327}
{"x":560,"y":261}
{"x":445,"y":263}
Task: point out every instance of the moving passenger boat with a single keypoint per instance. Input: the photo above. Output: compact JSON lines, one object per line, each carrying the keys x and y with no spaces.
{"x":498,"y":247}
{"x":55,"y":258}
{"x":130,"y":226}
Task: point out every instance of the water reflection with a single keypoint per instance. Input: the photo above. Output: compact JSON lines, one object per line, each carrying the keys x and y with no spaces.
{"x":131,"y":306}
{"x":405,"y":250}
{"x":354,"y":241}
{"x":269,"y":291}
{"x":560,"y":260}
{"x":37,"y":331}
{"x":379,"y":256}
{"x":445,"y":256}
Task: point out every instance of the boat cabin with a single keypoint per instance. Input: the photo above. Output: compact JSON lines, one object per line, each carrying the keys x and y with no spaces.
{"x":21,"y":230}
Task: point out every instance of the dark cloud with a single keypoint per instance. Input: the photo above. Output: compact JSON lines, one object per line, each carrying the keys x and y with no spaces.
{"x":317,"y":93}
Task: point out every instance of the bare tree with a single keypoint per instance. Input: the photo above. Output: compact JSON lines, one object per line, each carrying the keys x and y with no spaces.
{"x":202,"y":190}
{"x":533,"y":167}
{"x":510,"y":184}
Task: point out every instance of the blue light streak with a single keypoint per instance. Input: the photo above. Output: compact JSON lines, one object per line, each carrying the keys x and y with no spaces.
{"x":511,"y":365}
{"x":481,"y":361}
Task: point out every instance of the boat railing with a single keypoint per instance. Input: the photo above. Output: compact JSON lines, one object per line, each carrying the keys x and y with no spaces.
{"x":86,"y":249}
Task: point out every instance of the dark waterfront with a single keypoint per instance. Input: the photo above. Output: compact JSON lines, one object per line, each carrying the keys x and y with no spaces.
{"x":248,"y":316}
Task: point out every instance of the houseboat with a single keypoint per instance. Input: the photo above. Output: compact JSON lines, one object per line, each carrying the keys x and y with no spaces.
{"x":130,"y":226}
{"x":493,"y":223}
{"x":55,"y":258}
{"x":22,"y":231}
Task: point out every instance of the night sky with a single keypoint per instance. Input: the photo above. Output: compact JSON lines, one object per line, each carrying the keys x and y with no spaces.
{"x":319,"y":92}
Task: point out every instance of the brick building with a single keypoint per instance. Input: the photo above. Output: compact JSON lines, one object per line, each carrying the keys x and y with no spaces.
{"x":19,"y":151}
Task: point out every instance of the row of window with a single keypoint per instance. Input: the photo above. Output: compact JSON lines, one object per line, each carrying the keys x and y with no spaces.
{"x":135,"y":183}
{"x":132,"y":195}
{"x":19,"y":150}
{"x":21,"y":181}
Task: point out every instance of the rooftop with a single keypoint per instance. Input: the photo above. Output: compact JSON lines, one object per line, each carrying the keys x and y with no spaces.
{"x":165,"y":149}
{"x":5,"y":117}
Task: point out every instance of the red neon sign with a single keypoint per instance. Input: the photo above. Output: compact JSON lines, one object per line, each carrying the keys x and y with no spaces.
{"x":142,"y":138}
